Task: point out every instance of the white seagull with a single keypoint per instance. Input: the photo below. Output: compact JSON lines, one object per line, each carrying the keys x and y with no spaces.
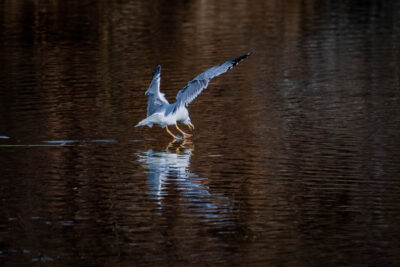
{"x":160,"y":112}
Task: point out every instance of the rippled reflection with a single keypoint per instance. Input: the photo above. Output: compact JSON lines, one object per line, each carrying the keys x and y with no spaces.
{"x":164,"y":167}
{"x":172,"y":167}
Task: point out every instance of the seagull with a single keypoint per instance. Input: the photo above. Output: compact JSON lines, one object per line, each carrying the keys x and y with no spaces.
{"x":162,"y":113}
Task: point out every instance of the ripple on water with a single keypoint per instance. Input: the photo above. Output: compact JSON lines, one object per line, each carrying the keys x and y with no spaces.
{"x":294,"y":158}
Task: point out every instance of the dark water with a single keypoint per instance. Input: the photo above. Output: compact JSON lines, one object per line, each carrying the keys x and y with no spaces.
{"x":295,"y":160}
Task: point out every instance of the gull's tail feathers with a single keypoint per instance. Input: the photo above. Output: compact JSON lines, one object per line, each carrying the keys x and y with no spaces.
{"x":144,"y":122}
{"x":149,"y":121}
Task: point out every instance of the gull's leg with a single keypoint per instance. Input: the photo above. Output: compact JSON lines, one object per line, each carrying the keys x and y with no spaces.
{"x":191,"y":126}
{"x":185,"y":135}
{"x":168,"y":131}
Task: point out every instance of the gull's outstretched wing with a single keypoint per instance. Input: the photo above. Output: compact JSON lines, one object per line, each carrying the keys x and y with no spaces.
{"x":186,"y":95}
{"x":157,"y":100}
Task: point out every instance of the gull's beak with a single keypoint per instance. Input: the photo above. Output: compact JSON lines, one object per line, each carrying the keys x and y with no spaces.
{"x":191,"y":126}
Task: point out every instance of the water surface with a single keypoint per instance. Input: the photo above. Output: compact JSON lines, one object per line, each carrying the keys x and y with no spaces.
{"x":294,"y":160}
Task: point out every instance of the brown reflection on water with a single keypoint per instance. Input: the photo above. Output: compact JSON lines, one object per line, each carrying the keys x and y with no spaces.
{"x":294,"y":160}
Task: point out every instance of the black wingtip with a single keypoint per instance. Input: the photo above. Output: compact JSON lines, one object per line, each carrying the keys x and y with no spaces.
{"x":246,"y":56}
{"x":157,"y":70}
{"x":238,"y":59}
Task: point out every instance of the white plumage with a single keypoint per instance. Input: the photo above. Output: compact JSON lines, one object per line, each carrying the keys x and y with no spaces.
{"x":160,"y":112}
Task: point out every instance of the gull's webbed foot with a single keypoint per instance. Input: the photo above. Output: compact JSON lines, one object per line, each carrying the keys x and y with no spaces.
{"x":185,"y":135}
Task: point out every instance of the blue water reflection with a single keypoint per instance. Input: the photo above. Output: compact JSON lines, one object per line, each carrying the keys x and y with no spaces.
{"x":169,"y":175}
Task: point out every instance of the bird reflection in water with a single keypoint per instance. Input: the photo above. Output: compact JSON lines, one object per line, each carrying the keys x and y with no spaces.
{"x":180,"y":148}
{"x":169,"y":176}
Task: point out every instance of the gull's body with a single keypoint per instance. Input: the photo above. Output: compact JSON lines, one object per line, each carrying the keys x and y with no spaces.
{"x":161,"y":112}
